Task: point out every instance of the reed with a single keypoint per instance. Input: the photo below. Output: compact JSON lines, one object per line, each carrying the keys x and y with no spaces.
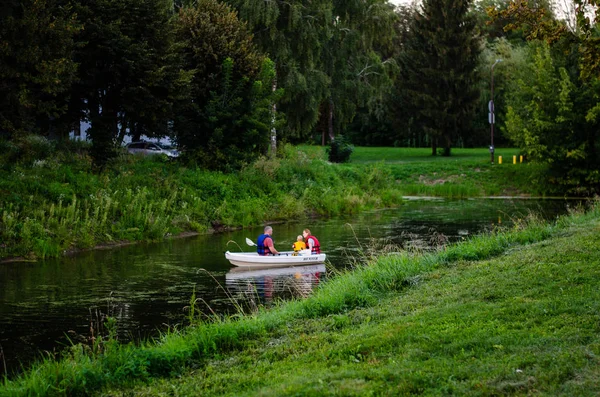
{"x":59,"y":205}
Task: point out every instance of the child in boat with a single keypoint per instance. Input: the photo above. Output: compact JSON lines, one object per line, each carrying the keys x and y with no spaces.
{"x":299,"y":245}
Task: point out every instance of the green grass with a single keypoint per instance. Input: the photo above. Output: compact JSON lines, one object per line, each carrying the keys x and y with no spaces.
{"x":413,"y":155}
{"x":511,"y":313}
{"x":59,"y":204}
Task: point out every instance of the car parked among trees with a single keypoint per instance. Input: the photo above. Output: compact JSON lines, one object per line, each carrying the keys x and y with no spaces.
{"x":150,"y":149}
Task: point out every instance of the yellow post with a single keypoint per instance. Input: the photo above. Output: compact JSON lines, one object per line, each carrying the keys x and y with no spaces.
{"x":514,"y":159}
{"x":499,"y":159}
{"x":520,"y":159}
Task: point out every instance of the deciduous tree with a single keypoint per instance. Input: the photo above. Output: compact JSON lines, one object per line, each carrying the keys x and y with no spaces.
{"x":36,"y":65}
{"x":123,"y":75}
{"x":226,"y":121}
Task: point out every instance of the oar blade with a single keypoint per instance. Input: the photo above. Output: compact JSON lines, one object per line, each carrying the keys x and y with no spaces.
{"x":250,"y":242}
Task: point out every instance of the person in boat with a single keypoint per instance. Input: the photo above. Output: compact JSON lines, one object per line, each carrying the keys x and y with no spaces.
{"x":299,"y":245}
{"x":311,"y":242}
{"x":264,"y":244}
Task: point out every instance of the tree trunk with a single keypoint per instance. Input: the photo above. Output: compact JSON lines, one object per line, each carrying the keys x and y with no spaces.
{"x":433,"y":146}
{"x":448,"y":146}
{"x":137,"y":133}
{"x":330,"y":120}
{"x":273,"y":130}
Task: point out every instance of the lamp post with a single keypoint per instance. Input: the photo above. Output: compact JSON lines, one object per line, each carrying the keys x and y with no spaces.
{"x":492,"y":117}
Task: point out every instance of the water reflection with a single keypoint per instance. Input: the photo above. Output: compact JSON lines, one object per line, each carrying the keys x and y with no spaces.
{"x":264,"y":285}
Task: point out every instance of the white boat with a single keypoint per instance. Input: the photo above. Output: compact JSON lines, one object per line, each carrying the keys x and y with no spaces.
{"x":252,"y":259}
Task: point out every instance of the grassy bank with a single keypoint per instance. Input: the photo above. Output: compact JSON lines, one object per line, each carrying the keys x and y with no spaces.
{"x":57,"y":204}
{"x":511,"y":313}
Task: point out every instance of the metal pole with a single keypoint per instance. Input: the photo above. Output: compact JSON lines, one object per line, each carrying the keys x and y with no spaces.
{"x":492,"y":120}
{"x":493,"y":113}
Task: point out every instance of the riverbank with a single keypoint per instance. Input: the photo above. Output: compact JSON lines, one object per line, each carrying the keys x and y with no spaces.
{"x":59,"y":205}
{"x":513,"y":312}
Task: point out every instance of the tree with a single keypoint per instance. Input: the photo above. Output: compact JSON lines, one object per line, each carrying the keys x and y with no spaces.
{"x":226,"y":121}
{"x":352,"y":60}
{"x":554,"y":108}
{"x":292,"y":33}
{"x":439,"y":69}
{"x":36,"y":66}
{"x":124,"y":81}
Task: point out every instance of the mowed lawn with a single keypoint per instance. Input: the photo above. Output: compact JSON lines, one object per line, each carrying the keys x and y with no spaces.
{"x":466,"y":173}
{"x":406,"y":155}
{"x":362,"y":154}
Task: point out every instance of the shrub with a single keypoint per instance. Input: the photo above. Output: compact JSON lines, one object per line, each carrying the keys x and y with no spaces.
{"x":340,"y":150}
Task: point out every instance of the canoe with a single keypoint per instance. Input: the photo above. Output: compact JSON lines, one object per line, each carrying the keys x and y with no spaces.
{"x":252,"y":259}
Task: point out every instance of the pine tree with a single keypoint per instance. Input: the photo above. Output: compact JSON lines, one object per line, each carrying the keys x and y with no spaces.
{"x":439,"y":70}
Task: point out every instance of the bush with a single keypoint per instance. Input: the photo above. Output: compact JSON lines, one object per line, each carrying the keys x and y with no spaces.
{"x":340,"y":150}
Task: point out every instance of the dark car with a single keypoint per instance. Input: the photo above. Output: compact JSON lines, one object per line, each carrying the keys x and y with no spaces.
{"x":150,"y":149}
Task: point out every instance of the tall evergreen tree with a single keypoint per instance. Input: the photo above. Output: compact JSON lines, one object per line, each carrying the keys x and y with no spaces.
{"x":439,"y":70}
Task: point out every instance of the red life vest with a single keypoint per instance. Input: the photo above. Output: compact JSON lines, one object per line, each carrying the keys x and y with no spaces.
{"x":316,"y":248}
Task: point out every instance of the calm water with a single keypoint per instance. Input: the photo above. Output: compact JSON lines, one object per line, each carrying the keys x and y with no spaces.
{"x":148,"y":287}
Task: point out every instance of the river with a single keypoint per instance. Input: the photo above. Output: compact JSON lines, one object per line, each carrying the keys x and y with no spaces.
{"x":45,"y":306}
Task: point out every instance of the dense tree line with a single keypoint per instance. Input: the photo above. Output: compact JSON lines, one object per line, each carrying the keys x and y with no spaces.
{"x":227,"y":80}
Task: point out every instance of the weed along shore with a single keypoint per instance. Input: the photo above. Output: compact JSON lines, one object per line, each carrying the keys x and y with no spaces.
{"x":513,"y":312}
{"x":60,"y":205}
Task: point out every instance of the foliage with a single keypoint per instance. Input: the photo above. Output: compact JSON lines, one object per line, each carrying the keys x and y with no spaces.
{"x":514,"y":58}
{"x":536,"y":21}
{"x":327,"y":55}
{"x":293,"y":34}
{"x":36,"y":67}
{"x":352,"y":58}
{"x":123,"y":78}
{"x":438,"y":69}
{"x":237,"y":121}
{"x":225,"y":122}
{"x":57,"y":204}
{"x":339,"y":150}
{"x":549,"y":119}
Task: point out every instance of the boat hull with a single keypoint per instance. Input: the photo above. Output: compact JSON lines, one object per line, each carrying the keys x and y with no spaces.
{"x":252,"y":259}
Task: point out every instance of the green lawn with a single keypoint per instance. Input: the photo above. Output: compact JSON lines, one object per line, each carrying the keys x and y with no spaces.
{"x":406,"y":155}
{"x":393,"y":155}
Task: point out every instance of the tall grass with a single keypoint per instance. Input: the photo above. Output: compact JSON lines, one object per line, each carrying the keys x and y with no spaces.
{"x":58,"y":204}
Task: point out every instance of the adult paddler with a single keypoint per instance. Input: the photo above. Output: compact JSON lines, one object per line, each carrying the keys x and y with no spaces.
{"x":311,"y":242}
{"x":264,"y":244}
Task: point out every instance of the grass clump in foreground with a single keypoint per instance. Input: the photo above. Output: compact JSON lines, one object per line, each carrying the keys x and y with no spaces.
{"x":512,"y":313}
